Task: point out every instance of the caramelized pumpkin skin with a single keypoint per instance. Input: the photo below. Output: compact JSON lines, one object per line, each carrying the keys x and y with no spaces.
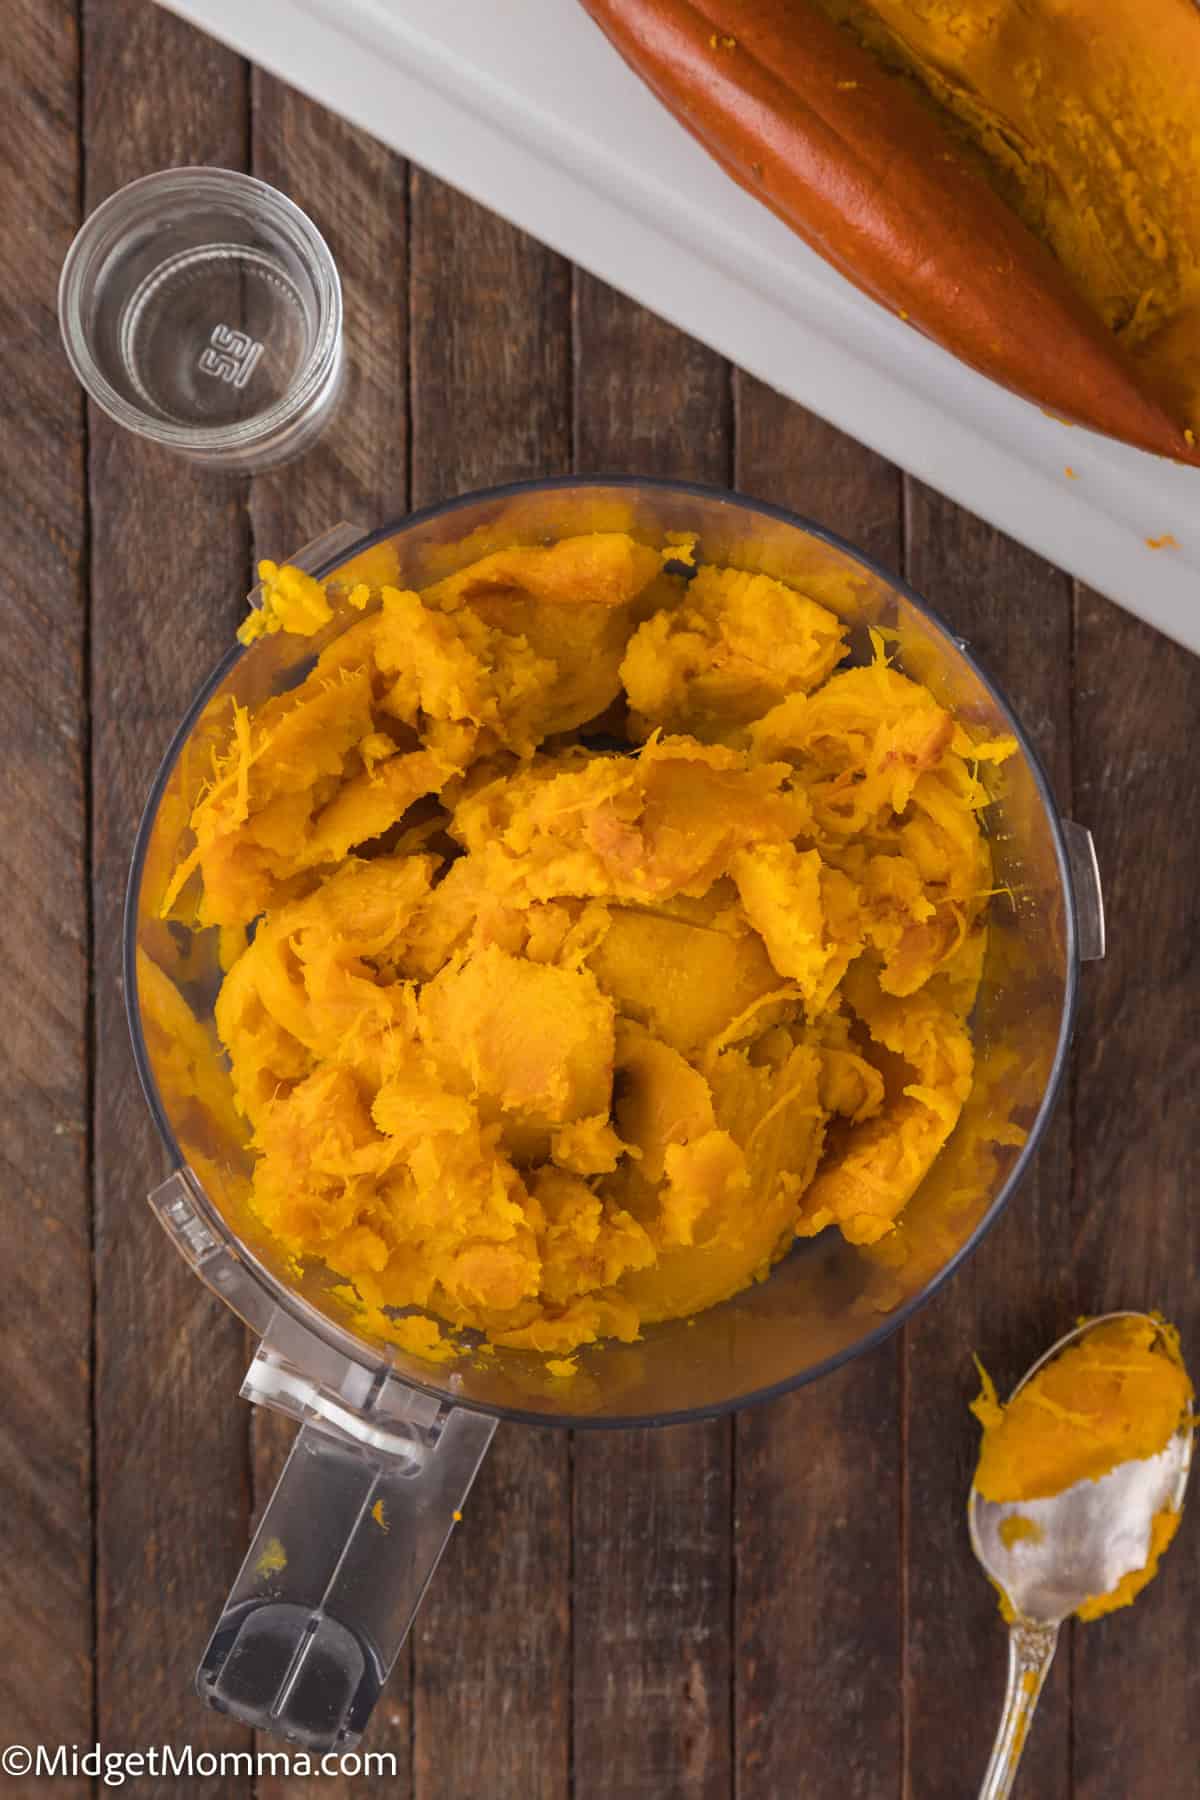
{"x":555,"y":1041}
{"x":1019,"y":179}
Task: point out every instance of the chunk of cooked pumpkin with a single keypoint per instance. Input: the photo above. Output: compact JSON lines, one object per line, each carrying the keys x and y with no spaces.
{"x":735,"y":645}
{"x":534,"y":1040}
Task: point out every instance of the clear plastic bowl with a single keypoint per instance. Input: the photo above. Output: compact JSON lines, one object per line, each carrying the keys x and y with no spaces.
{"x":826,"y":1301}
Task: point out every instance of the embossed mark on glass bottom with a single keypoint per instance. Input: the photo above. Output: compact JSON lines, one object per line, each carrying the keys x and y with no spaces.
{"x":230,"y":356}
{"x":179,"y":362}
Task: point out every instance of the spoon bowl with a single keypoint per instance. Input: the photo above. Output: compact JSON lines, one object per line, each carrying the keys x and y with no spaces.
{"x":1086,"y":1539}
{"x":1048,"y":1556}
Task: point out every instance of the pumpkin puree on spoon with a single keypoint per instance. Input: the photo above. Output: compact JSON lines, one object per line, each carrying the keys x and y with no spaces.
{"x":1118,"y":1395}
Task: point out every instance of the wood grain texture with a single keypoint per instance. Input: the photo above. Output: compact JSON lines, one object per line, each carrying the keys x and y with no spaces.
{"x":652,"y":1613}
{"x":355,"y":191}
{"x":818,"y":1480}
{"x":169,"y":575}
{"x":490,"y":359}
{"x":489,"y":326}
{"x":1014,"y":1297}
{"x":794,"y":459}
{"x":648,"y":399}
{"x":491,"y":1684}
{"x":45,"y":1318}
{"x":1135,"y":1228}
{"x":651,"y":1508}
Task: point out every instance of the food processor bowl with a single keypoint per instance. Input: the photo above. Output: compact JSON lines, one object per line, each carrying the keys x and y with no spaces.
{"x":390,"y":1442}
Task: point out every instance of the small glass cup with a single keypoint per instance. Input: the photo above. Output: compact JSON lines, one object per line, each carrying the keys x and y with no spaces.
{"x":202,"y":309}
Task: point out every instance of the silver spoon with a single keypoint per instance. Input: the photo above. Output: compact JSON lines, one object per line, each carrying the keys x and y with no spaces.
{"x":1092,"y":1534}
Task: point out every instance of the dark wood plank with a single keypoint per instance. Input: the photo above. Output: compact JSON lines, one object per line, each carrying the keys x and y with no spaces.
{"x":1136,"y":1232}
{"x":169,"y":577}
{"x":491,"y":1656}
{"x":794,"y":459}
{"x":355,"y":190}
{"x":490,"y":364}
{"x":818,"y":1479}
{"x":651,"y":1508}
{"x":652,"y":1613}
{"x":490,"y":371}
{"x":45,"y":1320}
{"x":1013,"y":1299}
{"x":648,"y":399}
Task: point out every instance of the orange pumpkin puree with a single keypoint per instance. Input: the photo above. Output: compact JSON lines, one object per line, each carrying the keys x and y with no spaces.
{"x":606,"y":937}
{"x":1017,"y":1529}
{"x":1118,"y":1395}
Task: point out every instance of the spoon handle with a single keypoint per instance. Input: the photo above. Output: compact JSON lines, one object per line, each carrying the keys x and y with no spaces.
{"x":1030,"y":1653}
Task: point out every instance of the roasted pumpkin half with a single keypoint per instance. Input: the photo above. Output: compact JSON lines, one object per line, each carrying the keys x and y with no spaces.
{"x":1020,"y":179}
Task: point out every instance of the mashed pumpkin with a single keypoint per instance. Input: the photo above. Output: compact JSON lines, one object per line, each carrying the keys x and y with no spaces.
{"x":1117,"y":1395}
{"x":589,"y":935}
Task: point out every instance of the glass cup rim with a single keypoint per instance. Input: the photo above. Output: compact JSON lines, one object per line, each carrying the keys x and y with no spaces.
{"x":321,"y":367}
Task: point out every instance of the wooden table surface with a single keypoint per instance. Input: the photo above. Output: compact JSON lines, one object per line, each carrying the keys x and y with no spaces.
{"x":777,"y":1604}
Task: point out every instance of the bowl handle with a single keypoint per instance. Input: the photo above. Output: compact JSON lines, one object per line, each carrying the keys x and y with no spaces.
{"x":350,"y":1537}
{"x":1085,"y":883}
